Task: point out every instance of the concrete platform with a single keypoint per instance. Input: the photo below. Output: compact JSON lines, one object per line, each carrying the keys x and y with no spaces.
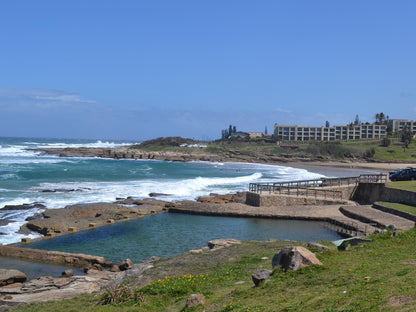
{"x":368,"y":214}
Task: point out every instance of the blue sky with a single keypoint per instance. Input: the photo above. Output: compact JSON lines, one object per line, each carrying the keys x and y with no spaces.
{"x":136,"y":70}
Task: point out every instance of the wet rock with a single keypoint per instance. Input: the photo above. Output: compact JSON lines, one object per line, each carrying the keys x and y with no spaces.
{"x":4,"y":222}
{"x":36,"y":216}
{"x":23,"y":207}
{"x":158,"y":194}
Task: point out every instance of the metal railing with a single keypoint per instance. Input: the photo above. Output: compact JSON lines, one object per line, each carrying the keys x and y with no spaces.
{"x":316,"y":186}
{"x":373,"y":178}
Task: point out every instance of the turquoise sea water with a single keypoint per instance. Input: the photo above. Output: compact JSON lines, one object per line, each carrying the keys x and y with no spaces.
{"x":28,"y":177}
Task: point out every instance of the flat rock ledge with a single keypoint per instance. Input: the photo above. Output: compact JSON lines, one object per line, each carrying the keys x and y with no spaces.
{"x":71,"y":219}
{"x":47,"y":288}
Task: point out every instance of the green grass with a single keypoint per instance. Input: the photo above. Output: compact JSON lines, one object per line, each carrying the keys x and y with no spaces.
{"x":368,"y":149}
{"x":367,"y":277}
{"x":401,"y":207}
{"x":403,"y":185}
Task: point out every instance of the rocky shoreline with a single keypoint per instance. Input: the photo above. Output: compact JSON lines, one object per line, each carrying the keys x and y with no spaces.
{"x":301,"y":161}
{"x":54,"y":222}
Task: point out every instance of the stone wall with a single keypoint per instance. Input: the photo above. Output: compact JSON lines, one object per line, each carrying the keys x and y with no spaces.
{"x":268,"y":200}
{"x":368,"y":193}
{"x":275,"y":199}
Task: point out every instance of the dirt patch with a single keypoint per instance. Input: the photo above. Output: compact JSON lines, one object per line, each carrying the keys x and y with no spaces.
{"x":398,"y":301}
{"x":413,"y":262}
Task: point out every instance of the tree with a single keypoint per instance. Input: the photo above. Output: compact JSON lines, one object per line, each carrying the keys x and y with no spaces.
{"x":406,"y":136}
{"x":381,"y":118}
{"x":265,"y":130}
{"x":224,"y":134}
{"x":357,"y":121}
{"x":234,"y":129}
{"x":327,"y":124}
{"x":230,"y":129}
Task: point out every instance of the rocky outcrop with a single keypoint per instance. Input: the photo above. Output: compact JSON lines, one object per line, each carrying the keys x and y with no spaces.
{"x":11,"y":276}
{"x":23,"y":207}
{"x":293,"y":258}
{"x":85,"y":216}
{"x":47,"y":288}
{"x":56,"y":257}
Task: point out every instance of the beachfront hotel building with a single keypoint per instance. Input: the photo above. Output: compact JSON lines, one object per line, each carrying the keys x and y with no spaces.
{"x":351,"y":132}
{"x":397,"y":125}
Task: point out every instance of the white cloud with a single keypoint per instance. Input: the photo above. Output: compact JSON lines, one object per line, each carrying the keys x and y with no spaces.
{"x":29,"y":100}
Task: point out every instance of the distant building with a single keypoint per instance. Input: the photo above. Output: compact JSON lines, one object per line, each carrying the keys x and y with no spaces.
{"x":352,"y":132}
{"x":240,"y":134}
{"x":254,"y":135}
{"x":397,"y":125}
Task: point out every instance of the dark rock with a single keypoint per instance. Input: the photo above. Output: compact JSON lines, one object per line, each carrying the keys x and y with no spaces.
{"x":4,"y":222}
{"x":259,"y":276}
{"x":158,"y":194}
{"x":8,"y":277}
{"x":125,"y":265}
{"x":293,"y":258}
{"x":23,"y":207}
{"x":36,"y":216}
{"x":195,"y":299}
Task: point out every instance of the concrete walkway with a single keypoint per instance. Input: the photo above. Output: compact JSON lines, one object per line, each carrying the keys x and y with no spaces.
{"x":367,"y":213}
{"x":325,"y":213}
{"x":364,"y":218}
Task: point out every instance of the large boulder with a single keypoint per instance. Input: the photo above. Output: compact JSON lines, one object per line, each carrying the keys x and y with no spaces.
{"x":8,"y":277}
{"x":293,"y":258}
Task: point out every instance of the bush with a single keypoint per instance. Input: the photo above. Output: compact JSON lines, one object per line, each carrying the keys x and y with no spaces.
{"x":386,"y":142}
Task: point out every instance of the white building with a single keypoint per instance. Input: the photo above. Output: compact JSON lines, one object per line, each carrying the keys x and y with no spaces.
{"x":302,"y":133}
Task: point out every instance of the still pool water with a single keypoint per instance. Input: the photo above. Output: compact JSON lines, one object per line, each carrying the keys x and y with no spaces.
{"x":170,"y":234}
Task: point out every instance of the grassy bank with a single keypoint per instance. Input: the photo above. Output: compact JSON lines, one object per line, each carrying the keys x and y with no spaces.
{"x":377,"y":276}
{"x":369,"y":150}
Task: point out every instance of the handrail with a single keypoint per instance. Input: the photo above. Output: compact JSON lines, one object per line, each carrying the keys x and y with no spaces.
{"x":312,"y":184}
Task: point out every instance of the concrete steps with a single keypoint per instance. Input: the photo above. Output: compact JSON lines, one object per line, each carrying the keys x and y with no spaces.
{"x":369,"y":215}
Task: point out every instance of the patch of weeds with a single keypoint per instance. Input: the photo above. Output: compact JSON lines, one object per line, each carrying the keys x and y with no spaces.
{"x":122,"y":294}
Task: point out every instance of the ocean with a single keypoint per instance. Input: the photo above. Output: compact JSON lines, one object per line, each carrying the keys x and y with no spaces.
{"x":30,"y":177}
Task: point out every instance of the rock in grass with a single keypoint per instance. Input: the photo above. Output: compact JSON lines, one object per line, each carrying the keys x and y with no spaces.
{"x":195,"y":299}
{"x":293,"y":258}
{"x":260,"y":276}
{"x":317,"y":246}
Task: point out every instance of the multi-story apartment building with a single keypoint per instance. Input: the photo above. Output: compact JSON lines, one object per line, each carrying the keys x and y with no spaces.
{"x":301,"y":133}
{"x":398,"y":125}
